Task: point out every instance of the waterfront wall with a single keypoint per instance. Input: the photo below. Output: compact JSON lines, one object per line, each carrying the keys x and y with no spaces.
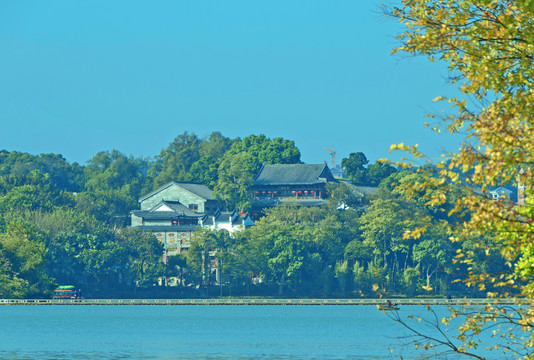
{"x":401,"y":302}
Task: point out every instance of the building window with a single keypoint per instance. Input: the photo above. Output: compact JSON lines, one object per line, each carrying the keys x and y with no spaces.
{"x":193,"y":207}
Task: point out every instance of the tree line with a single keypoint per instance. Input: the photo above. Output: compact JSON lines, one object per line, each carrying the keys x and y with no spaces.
{"x":349,"y":251}
{"x":63,"y":223}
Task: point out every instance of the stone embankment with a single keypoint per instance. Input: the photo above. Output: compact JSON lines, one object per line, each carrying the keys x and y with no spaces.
{"x":401,"y":302}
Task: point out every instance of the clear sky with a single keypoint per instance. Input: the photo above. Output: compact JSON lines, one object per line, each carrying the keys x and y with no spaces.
{"x":82,"y":77}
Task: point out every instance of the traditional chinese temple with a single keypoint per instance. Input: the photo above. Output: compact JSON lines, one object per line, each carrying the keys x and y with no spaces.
{"x":301,"y":183}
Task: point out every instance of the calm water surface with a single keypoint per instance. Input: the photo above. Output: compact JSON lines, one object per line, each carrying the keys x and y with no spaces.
{"x":202,"y":332}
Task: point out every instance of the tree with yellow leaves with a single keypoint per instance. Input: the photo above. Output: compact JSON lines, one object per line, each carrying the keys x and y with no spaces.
{"x":489,"y":48}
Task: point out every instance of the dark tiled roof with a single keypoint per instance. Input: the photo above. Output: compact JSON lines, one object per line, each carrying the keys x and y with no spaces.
{"x":225,"y":215}
{"x":293,"y":174}
{"x":153,"y":215}
{"x":179,"y":208}
{"x":155,"y":191}
{"x":208,"y":221}
{"x":197,"y":189}
{"x":239,"y":220}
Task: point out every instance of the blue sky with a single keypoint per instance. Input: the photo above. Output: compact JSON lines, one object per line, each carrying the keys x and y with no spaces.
{"x":82,"y":77}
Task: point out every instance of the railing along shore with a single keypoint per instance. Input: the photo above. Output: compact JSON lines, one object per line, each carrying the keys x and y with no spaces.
{"x":416,"y":301}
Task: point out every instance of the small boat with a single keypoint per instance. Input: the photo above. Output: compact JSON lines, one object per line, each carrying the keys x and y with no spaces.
{"x":64,"y":292}
{"x":386,"y":308}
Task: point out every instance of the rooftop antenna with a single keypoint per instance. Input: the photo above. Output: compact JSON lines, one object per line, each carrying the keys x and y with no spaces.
{"x":333,"y":154}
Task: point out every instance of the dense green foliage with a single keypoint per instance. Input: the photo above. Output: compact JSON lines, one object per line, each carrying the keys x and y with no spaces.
{"x":71,"y":220}
{"x":242,"y":162}
{"x":64,"y":223}
{"x":302,"y":251}
{"x":357,"y":169}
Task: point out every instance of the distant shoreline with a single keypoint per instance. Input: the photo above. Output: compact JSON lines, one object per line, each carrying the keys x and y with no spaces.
{"x":352,"y":302}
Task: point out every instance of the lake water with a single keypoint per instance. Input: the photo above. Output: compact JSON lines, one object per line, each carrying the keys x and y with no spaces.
{"x":204,"y":332}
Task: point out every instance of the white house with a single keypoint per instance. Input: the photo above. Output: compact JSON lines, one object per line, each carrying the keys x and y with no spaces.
{"x":500,"y":192}
{"x":228,"y":220}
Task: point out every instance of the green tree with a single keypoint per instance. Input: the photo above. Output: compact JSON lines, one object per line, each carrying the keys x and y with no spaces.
{"x":143,"y":257}
{"x":176,"y":264}
{"x":211,"y":150}
{"x":215,"y":145}
{"x":391,"y":228}
{"x":109,"y":206}
{"x":30,"y":191}
{"x":379,"y":171}
{"x":235,"y":178}
{"x":361,"y":173}
{"x":284,"y":247}
{"x":411,"y":278}
{"x":85,"y":252}
{"x":205,"y":171}
{"x":344,"y":195}
{"x":65,"y":176}
{"x":116,"y":171}
{"x":355,"y":167}
{"x":383,"y":228}
{"x":175,"y":161}
{"x":286,"y":255}
{"x":242,"y":163}
{"x":22,"y":263}
{"x":200,"y":258}
{"x":433,"y":252}
{"x":114,"y":183}
{"x":66,"y":233}
{"x":248,"y":261}
{"x":299,"y":248}
{"x":268,"y":151}
{"x":343,"y":275}
{"x":358,"y":250}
